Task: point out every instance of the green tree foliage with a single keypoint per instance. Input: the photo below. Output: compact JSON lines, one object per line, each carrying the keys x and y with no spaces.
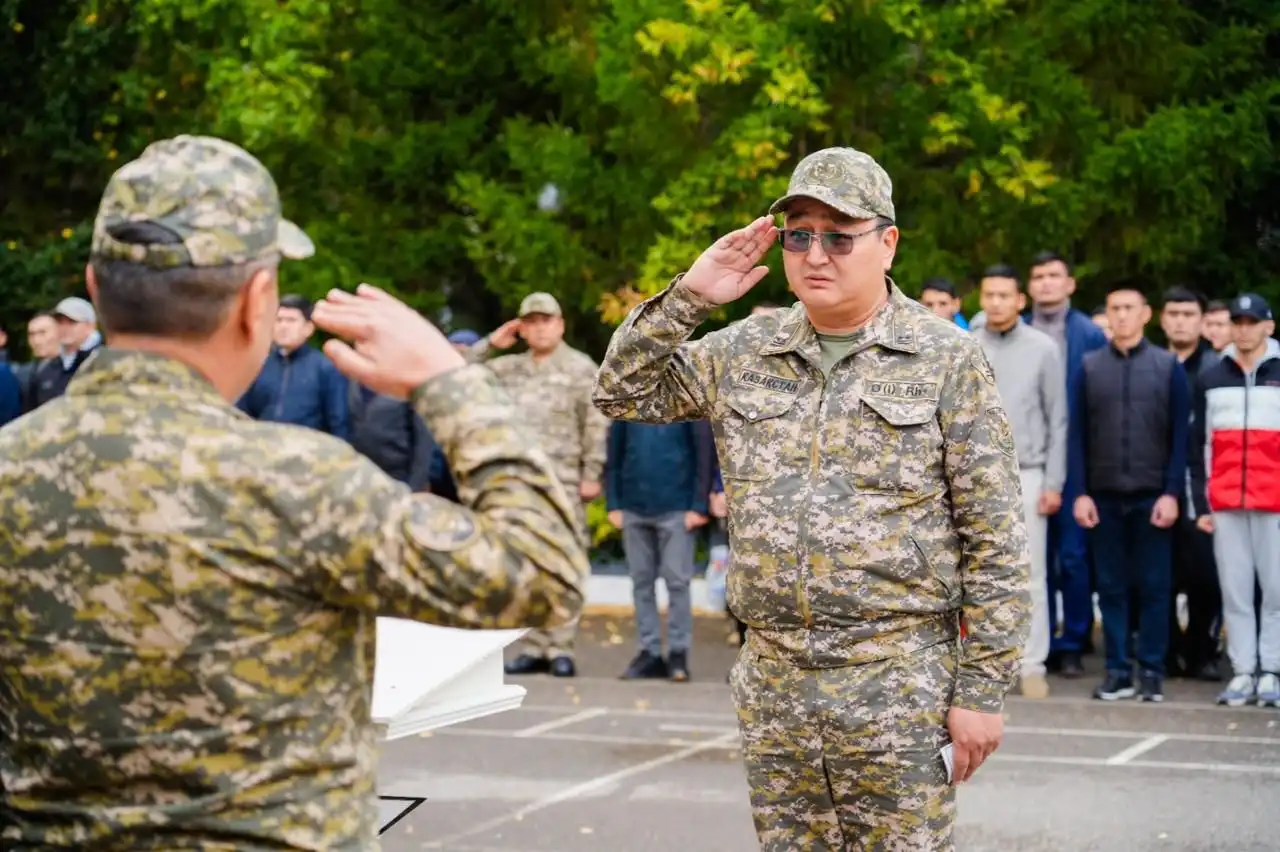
{"x":468,"y":154}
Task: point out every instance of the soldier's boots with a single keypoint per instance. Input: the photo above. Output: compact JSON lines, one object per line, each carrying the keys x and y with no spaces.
{"x":526,"y":664}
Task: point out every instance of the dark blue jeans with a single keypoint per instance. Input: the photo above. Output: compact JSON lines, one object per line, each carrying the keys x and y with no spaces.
{"x":1130,"y":553}
{"x":1069,"y":575}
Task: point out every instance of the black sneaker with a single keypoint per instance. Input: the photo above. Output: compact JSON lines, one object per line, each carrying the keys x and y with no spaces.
{"x":1151,"y":687}
{"x":678,"y":666}
{"x":1115,"y":686}
{"x":646,"y":666}
{"x":1072,"y":666}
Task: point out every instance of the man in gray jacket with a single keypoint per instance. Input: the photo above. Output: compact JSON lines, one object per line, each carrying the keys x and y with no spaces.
{"x":1032,"y":385}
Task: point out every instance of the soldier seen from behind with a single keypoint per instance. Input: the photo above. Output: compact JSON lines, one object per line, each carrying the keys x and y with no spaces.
{"x":191,"y":595}
{"x":874,"y":503}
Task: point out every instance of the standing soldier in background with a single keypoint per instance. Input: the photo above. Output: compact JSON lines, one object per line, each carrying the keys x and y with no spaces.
{"x":551,"y":385}
{"x":190,"y":595}
{"x":873,"y":494}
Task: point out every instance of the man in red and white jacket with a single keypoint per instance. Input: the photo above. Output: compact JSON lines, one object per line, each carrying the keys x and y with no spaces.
{"x":1235,"y":468}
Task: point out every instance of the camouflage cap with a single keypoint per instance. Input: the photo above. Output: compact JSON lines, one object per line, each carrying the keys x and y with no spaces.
{"x":844,"y":179}
{"x":540,"y":303}
{"x":216,"y":196}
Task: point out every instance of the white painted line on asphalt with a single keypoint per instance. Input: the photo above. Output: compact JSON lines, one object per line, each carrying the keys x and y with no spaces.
{"x":1137,"y":750}
{"x":542,"y":728}
{"x":730,"y":743}
{"x":603,"y":739}
{"x":727,"y":719}
{"x":658,"y":713}
{"x":1103,"y":733}
{"x":698,"y":729}
{"x":586,"y":788}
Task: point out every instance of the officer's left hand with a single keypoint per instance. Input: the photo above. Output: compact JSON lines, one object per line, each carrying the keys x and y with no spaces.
{"x":1165,"y":512}
{"x":588,"y":491}
{"x":975,"y":736}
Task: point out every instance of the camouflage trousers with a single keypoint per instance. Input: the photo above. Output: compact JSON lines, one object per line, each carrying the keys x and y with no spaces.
{"x":849,"y":758}
{"x":559,"y":641}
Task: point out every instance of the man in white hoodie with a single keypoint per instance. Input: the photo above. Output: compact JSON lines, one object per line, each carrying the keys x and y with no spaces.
{"x":1235,"y":467}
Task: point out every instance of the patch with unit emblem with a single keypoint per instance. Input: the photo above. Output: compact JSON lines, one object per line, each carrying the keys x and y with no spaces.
{"x":777,"y":384}
{"x":906,"y":389}
{"x":1003,"y":434}
{"x":446,"y":527}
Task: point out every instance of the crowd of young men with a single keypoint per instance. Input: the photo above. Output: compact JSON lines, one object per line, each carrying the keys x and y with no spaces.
{"x":1149,"y":474}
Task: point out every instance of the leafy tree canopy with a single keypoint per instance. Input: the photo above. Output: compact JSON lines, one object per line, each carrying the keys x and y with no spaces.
{"x":468,"y":154}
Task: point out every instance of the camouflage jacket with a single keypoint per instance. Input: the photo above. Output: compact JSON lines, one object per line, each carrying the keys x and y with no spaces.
{"x":554,"y":400}
{"x":868,"y":510}
{"x":190,"y":599}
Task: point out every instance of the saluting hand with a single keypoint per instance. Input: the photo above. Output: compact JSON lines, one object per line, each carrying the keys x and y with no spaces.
{"x":728,"y":269}
{"x":505,"y":335}
{"x":392,"y":349}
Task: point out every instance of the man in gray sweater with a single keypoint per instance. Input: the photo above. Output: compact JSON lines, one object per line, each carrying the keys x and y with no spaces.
{"x":1029,"y":375}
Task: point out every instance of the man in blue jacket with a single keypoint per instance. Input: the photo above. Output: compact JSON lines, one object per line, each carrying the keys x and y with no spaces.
{"x":657,"y":481}
{"x":298,"y":384}
{"x":1051,"y":285}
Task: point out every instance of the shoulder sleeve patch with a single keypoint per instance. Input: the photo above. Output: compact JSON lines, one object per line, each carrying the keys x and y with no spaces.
{"x":445,"y":526}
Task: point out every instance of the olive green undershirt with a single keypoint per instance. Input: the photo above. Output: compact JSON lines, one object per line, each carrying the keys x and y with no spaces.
{"x":834,"y":347}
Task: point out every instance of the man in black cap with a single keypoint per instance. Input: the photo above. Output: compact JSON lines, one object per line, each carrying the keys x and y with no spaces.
{"x":1235,"y":468}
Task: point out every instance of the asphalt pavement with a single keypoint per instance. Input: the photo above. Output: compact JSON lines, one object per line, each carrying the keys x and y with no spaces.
{"x":594,"y":763}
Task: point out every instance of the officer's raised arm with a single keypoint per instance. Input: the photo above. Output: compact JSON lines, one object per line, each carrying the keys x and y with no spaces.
{"x":982,"y":471}
{"x":651,"y":373}
{"x":506,"y":557}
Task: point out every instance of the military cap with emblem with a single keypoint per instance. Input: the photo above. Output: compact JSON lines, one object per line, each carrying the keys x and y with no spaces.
{"x":215,"y":196}
{"x":540,"y":303}
{"x":844,"y":179}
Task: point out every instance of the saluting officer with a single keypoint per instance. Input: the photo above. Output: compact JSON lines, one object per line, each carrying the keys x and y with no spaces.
{"x":874,"y":503}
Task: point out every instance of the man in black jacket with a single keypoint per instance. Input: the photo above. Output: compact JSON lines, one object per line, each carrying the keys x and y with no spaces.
{"x":389,"y":433}
{"x":1194,"y":651}
{"x":1128,"y":445}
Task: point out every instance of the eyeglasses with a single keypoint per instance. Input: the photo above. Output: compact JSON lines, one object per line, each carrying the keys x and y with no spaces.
{"x":833,"y":242}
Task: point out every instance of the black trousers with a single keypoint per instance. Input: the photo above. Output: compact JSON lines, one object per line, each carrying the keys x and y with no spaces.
{"x":1195,"y":574}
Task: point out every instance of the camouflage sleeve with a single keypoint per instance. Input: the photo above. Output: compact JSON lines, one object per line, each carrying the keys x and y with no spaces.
{"x":478,"y":351}
{"x":986,"y":504}
{"x":595,"y":434}
{"x":506,"y":557}
{"x":651,"y":373}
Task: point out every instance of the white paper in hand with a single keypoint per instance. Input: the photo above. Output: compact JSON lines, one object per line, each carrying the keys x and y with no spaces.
{"x":948,"y":758}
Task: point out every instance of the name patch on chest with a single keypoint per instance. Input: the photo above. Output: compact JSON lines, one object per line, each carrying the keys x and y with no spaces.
{"x":778,"y":384}
{"x":902,"y":390}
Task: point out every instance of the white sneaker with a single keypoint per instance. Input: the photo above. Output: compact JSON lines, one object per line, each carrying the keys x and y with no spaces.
{"x":1269,"y":690}
{"x":1240,"y":691}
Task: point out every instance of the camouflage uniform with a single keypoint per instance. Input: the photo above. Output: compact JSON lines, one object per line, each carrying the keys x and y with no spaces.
{"x":870,"y":509}
{"x":553,"y":397}
{"x":187,"y":651}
